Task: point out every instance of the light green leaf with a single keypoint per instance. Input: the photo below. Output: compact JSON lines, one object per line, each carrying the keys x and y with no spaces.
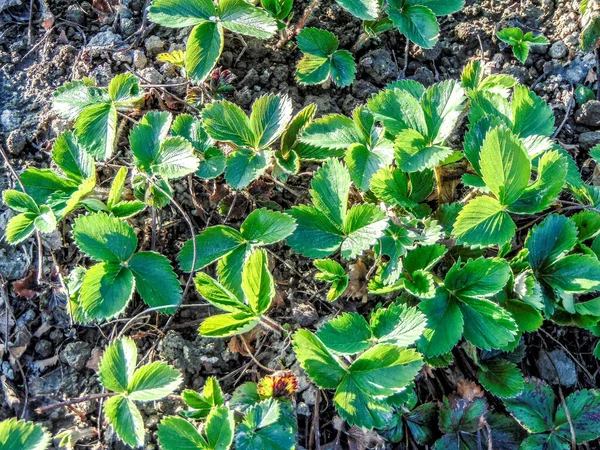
{"x":155,"y":280}
{"x":211,"y":244}
{"x":107,"y":288}
{"x":45,"y":222}
{"x":482,"y":223}
{"x":364,"y":163}
{"x":413,"y":153}
{"x":175,"y":159}
{"x":219,"y":428}
{"x":227,"y":122}
{"x":481,"y":277}
{"x":181,"y":13}
{"x":96,"y":129}
{"x":358,"y":408}
{"x":126,"y":419}
{"x":124,"y":90}
{"x":363,"y":9}
{"x":502,"y":378}
{"x":175,"y":433}
{"x":20,"y":227}
{"x":227,"y":325}
{"x":116,"y":190}
{"x":443,"y":104}
{"x":19,"y":201}
{"x":153,"y":381}
{"x":266,"y":227}
{"x":72,"y":98}
{"x":72,"y":158}
{"x":313,"y":69}
{"x":398,"y":110}
{"x":505,"y":166}
{"x":218,"y":295}
{"x":334,"y":132}
{"x":230,"y":268}
{"x":348,"y":333}
{"x":104,"y":238}
{"x":576,"y":274}
{"x":398,"y":325}
{"x":317,"y":42}
{"x":330,"y":188}
{"x":315,"y":235}
{"x":21,"y":435}
{"x":270,"y":115}
{"x":489,"y":325}
{"x":417,"y":23}
{"x":191,"y":129}
{"x":321,"y":366}
{"x":117,"y":365}
{"x":334,"y":273}
{"x":257,"y":282}
{"x":146,"y":137}
{"x":242,"y":17}
{"x":363,"y":225}
{"x":204,"y":46}
{"x":531,"y":115}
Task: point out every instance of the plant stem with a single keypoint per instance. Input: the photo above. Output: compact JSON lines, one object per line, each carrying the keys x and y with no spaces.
{"x":438,"y":181}
{"x":73,"y":401}
{"x":272,"y":325}
{"x":361,"y":40}
{"x":597,"y":52}
{"x":302,"y":22}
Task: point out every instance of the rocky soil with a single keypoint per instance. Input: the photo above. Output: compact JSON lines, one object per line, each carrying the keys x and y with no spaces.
{"x":45,"y":359}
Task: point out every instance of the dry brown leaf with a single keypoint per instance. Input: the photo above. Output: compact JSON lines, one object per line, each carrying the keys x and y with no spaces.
{"x":361,"y":439}
{"x":26,"y":287}
{"x":235,"y":345}
{"x":357,"y":284}
{"x":10,"y":394}
{"x":95,"y":358}
{"x":43,"y":364}
{"x":469,"y":390}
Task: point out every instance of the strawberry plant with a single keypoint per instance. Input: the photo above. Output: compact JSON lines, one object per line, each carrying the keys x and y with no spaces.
{"x":95,"y":110}
{"x":242,"y":312}
{"x":232,"y":248}
{"x":382,"y":368}
{"x":332,"y":272}
{"x":322,"y":60}
{"x":210,"y":20}
{"x":107,"y":287}
{"x":21,"y":435}
{"x":254,"y":135}
{"x":118,"y":374}
{"x":328,"y":225}
{"x":521,"y":42}
{"x":552,"y":427}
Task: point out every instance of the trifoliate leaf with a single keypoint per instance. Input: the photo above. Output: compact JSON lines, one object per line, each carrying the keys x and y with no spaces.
{"x":153,"y":381}
{"x":265,"y":426}
{"x":104,"y":238}
{"x":117,"y":365}
{"x":126,"y":419}
{"x":201,"y":404}
{"x":245,"y":166}
{"x":332,"y":272}
{"x":583,"y":407}
{"x":346,"y":334}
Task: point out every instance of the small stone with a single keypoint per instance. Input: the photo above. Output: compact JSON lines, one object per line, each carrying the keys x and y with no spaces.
{"x":75,"y":14}
{"x":139,"y":59}
{"x":589,"y":140}
{"x":16,"y":142}
{"x":154,"y":45}
{"x":424,"y":76}
{"x":9,"y":119}
{"x":379,"y":65}
{"x":127,"y":26}
{"x":362,"y":89}
{"x":589,"y":114}
{"x":125,"y":57}
{"x":152,"y":76}
{"x":305,"y":314}
{"x":556,"y":367}
{"x":102,"y":74}
{"x":105,"y":39}
{"x":558,"y":50}
{"x":579,"y":68}
{"x":44,"y":348}
{"x":76,"y":354}
{"x":302,"y":409}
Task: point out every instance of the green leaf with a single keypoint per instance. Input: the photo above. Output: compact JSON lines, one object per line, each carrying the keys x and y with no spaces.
{"x":413,"y":153}
{"x":270,"y":115}
{"x":153,"y":381}
{"x":533,"y":407}
{"x":20,"y":227}
{"x":227,"y":122}
{"x":175,"y":433}
{"x":440,"y":7}
{"x":531,"y":115}
{"x":126,"y":419}
{"x":363,"y":9}
{"x":146,"y":137}
{"x":218,"y":295}
{"x":266,"y":227}
{"x":489,"y":325}
{"x":176,"y":57}
{"x":226,"y":325}
{"x":364,"y":163}
{"x":317,"y":42}
{"x":245,"y":166}
{"x":289,"y":138}
{"x":481,"y":277}
{"x":72,"y":98}
{"x":391,"y":187}
{"x":334,"y":273}
{"x":583,"y":407}
{"x":590,"y":28}
{"x":502,"y":378}
{"x":21,"y":435}
{"x":315,"y":235}
{"x":155,"y":280}
{"x":72,"y":158}
{"x":334,"y":132}
{"x":417,"y":23}
{"x":348,"y":333}
{"x":211,"y":244}
{"x":482,"y":223}
{"x":511,"y":36}
{"x":364,"y":224}
{"x":550,"y":240}
{"x":175,"y":159}
{"x":330,"y":188}
{"x":358,"y":408}
{"x":313,"y":69}
{"x":19,"y":201}
{"x":124,"y":90}
{"x":505,"y":166}
{"x":219,"y":428}
{"x":116,"y":190}
{"x":104,"y":238}
{"x":202,"y":404}
{"x":444,"y":324}
{"x":181,"y":13}
{"x":96,"y":129}
{"x":459,"y":416}
{"x":257,"y":282}
{"x":107,"y":288}
{"x":398,"y":325}
{"x":265,"y":427}
{"x":191,"y":129}
{"x":343,"y":68}
{"x":443,"y":104}
{"x":318,"y":362}
{"x":398,"y":110}
{"x":574,"y":274}
{"x":230,"y":268}
{"x":241,"y":17}
{"x":117,"y":365}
